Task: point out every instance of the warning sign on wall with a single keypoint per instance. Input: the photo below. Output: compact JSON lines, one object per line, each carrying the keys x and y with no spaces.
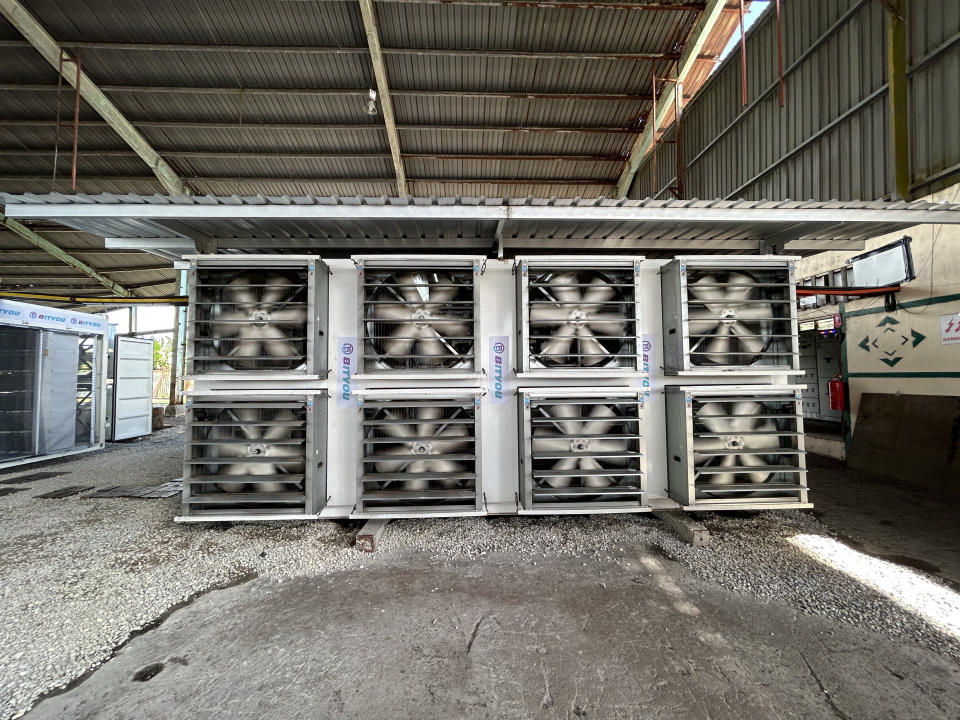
{"x":950,"y":329}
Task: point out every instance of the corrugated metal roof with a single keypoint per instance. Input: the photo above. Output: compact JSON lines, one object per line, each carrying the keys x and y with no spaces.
{"x":341,"y":225}
{"x":133,"y":79}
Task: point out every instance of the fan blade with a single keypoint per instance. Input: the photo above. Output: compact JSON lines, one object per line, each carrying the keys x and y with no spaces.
{"x":283,"y":291}
{"x":702,"y":320}
{"x":560,"y":290}
{"x":443,"y":294}
{"x":558,"y":347}
{"x":544,"y":314}
{"x":427,"y":429}
{"x":413,"y":288}
{"x":450,"y":447}
{"x":600,"y":428}
{"x":748,"y":460}
{"x":703,"y":445}
{"x":401,"y":340}
{"x":759,"y":443}
{"x":707,"y":416}
{"x":399,"y":430}
{"x":611,"y":446}
{"x":289,"y":316}
{"x":751,"y":344}
{"x":433,"y":347}
{"x":392,"y":312}
{"x":238,"y":292}
{"x":745,"y":412}
{"x":591,"y":351}
{"x":706,"y":294}
{"x":445,"y":466}
{"x":391,"y":466}
{"x":232,"y":450}
{"x":727,"y":478}
{"x":281,"y":347}
{"x":245,"y":349}
{"x":596,"y":295}
{"x":733,"y":294}
{"x":567,"y":418}
{"x":754,"y":311}
{"x":447,"y":329}
{"x":550,"y":443}
{"x":281,"y":432}
{"x":606,"y":324}
{"x":718,"y":346}
{"x":416,"y":484}
{"x":594,"y":480}
{"x":417,"y":467}
{"x":560,"y":481}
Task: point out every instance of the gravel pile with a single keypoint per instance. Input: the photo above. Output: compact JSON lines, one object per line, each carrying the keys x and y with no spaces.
{"x":79,"y":575}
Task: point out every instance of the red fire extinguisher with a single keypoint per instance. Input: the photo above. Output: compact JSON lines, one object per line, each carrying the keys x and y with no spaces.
{"x":835,"y":386}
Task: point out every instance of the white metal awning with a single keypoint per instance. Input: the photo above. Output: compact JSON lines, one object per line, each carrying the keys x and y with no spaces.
{"x":335,"y":225}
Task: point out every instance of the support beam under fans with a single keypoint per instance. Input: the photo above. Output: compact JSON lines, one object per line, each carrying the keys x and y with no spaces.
{"x":28,"y":26}
{"x":662,"y":106}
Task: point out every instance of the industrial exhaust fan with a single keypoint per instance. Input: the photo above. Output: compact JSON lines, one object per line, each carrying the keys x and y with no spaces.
{"x":256,"y":315}
{"x":418,"y":314}
{"x":578,"y":315}
{"x":729,"y":314}
{"x":258,"y":458}
{"x":736,"y":447}
{"x":420,"y":456}
{"x":582,"y":449}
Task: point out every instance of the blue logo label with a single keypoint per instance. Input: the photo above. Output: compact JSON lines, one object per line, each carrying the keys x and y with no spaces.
{"x":499,"y":360}
{"x":346,"y":369}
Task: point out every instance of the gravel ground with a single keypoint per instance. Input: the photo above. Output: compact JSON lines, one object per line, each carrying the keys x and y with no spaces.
{"x":79,"y":575}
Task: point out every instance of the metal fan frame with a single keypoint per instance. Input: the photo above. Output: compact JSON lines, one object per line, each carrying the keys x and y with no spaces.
{"x":374,"y":503}
{"x":200,"y":505}
{"x":370,"y":365}
{"x":781,"y":356}
{"x":787,"y":487}
{"x":317,"y":282}
{"x":534,"y":500}
{"x":625,"y":363}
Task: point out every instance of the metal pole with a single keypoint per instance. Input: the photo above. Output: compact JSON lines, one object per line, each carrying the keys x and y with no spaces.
{"x":173,"y":398}
{"x":897,"y":96}
{"x":653,"y":119}
{"x":76,"y":125}
{"x":780,"y":55}
{"x":743,"y":58}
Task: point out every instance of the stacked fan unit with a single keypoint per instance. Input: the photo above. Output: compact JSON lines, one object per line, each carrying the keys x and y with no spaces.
{"x":578,"y":316}
{"x":256,"y":316}
{"x":581,"y":434}
{"x":730,"y":315}
{"x":254,"y":459}
{"x":736,"y":447}
{"x":256,"y":421}
{"x":581,"y":450}
{"x":419,"y":439}
{"x":733,"y":446}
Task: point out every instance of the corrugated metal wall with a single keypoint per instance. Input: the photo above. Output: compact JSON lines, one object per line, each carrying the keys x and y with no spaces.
{"x":830,"y":140}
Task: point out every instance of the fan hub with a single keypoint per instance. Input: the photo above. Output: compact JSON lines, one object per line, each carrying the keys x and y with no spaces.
{"x":421,"y":448}
{"x":256,"y":450}
{"x":579,"y":445}
{"x":728,"y":315}
{"x":577,"y":317}
{"x":734,"y":442}
{"x":259,"y":318}
{"x":421,"y":317}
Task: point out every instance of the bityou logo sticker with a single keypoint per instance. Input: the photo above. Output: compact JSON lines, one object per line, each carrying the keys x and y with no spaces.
{"x":346,"y":349}
{"x":499,"y":347}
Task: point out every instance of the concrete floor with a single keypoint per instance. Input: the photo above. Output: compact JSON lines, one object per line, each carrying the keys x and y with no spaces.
{"x":413,"y":634}
{"x":493,"y":640}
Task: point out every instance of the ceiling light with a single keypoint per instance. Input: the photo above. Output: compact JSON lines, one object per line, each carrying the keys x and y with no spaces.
{"x":371,"y":104}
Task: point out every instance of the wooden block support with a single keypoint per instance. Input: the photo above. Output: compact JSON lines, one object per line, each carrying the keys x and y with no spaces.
{"x":369,"y":534}
{"x":685,"y":526}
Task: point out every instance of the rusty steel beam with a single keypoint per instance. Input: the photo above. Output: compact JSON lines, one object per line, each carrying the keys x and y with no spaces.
{"x":335,"y":92}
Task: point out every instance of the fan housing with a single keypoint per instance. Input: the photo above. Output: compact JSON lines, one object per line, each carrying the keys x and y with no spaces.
{"x":736,"y":446}
{"x":582,"y":450}
{"x":259,"y":459}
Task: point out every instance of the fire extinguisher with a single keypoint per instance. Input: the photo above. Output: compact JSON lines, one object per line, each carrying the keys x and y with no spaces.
{"x":835,"y":386}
